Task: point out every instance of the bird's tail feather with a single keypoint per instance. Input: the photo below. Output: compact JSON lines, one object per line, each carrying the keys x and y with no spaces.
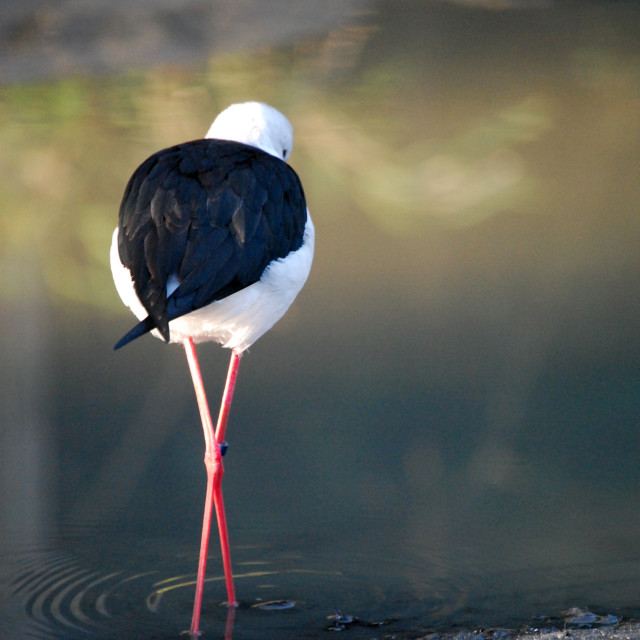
{"x":144,"y":326}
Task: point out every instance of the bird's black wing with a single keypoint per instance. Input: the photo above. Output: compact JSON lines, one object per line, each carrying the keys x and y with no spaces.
{"x":211,"y":213}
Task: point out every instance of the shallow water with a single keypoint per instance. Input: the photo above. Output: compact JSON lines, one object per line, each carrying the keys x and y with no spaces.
{"x":442,"y":433}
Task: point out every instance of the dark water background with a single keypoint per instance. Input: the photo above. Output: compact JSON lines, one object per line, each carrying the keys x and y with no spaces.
{"x":443,"y":431}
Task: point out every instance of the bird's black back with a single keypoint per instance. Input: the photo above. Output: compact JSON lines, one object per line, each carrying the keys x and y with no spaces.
{"x":214,"y":213}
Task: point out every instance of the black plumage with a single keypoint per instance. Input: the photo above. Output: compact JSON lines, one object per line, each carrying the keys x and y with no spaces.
{"x":210,"y":213}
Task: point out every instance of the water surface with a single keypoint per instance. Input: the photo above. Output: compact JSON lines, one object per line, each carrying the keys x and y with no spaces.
{"x":442,"y":432}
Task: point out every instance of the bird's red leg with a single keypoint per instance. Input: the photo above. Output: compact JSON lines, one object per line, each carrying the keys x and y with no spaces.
{"x":221,"y":428}
{"x":227,"y":396}
{"x":215,"y":471}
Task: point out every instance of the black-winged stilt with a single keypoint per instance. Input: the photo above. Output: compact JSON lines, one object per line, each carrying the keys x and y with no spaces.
{"x":214,"y":242}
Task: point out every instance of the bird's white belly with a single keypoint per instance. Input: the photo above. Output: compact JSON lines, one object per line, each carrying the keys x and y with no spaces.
{"x":238,"y":320}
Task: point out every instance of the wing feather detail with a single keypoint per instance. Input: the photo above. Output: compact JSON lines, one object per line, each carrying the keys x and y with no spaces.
{"x":210,"y":215}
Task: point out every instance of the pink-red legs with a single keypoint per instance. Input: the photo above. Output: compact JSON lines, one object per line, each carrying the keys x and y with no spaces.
{"x":215,"y":471}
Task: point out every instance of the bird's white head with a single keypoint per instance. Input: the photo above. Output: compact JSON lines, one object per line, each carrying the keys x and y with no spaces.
{"x":257,"y":124}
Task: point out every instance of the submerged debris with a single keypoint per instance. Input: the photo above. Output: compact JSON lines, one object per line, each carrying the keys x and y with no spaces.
{"x":341,"y":621}
{"x":585,"y":618}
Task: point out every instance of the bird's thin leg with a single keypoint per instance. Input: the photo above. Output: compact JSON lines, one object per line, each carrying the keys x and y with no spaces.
{"x":227,"y":396}
{"x":215,"y":471}
{"x":221,"y":428}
